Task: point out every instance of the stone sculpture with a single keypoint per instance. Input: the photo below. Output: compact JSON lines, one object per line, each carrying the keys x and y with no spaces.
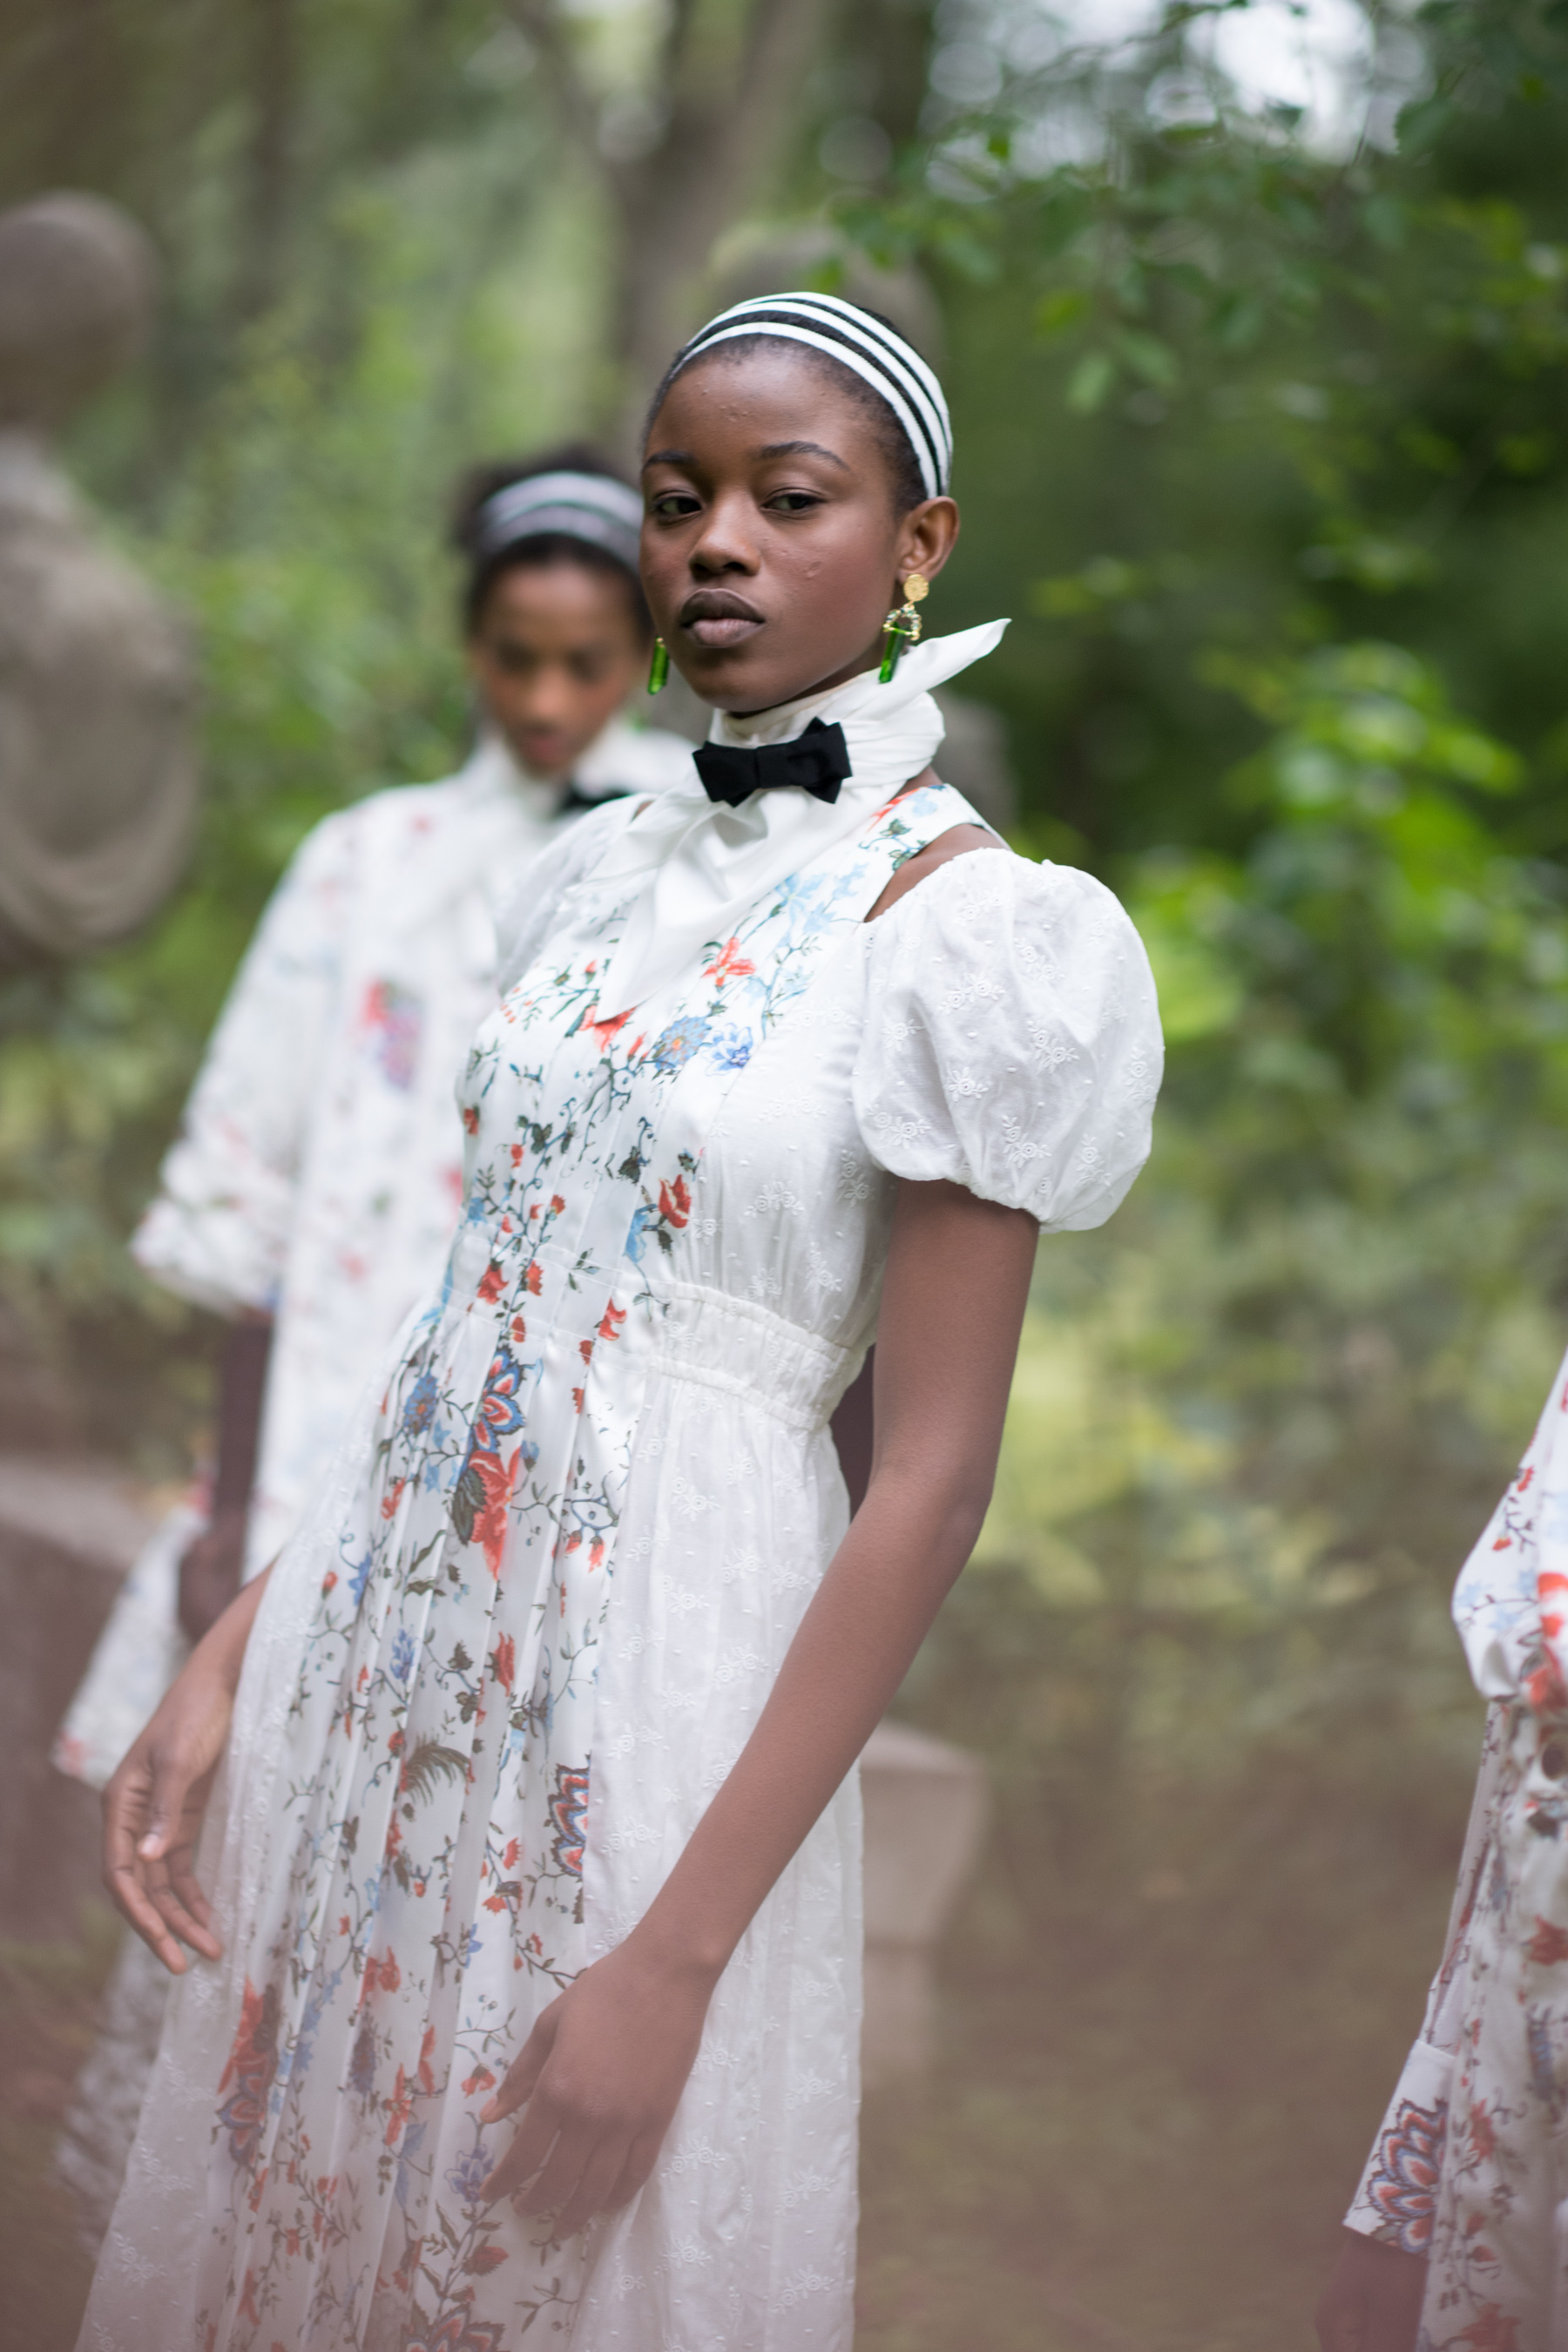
{"x":98,"y":773}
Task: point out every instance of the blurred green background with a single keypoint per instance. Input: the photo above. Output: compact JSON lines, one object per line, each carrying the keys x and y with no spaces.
{"x":1257,"y":376}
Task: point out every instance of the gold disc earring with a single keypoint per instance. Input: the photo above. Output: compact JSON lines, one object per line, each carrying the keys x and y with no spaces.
{"x":902,"y":625}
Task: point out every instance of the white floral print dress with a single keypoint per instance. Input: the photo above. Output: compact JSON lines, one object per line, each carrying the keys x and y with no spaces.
{"x":318,"y":1175}
{"x":532,"y":1620}
{"x":1470,"y":2167}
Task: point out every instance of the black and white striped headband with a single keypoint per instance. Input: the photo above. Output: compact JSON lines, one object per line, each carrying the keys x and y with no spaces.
{"x":878,"y":354}
{"x":591,"y":507}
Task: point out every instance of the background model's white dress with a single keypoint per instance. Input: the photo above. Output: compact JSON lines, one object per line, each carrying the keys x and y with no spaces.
{"x":524,"y":1635}
{"x":317,"y":1178}
{"x":317,"y":1174}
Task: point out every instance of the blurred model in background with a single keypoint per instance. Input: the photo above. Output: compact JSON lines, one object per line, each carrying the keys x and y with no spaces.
{"x":312,"y":1194}
{"x":1456,"y":2239}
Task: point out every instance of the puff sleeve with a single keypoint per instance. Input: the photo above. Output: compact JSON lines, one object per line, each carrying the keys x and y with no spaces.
{"x":219,"y":1228}
{"x":1012,"y":1039}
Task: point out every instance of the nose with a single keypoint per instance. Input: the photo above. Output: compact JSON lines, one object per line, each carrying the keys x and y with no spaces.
{"x":727,"y":541}
{"x":546,"y":696}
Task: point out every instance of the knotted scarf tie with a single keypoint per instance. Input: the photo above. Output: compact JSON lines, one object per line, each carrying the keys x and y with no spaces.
{"x":691,"y":868}
{"x":816,"y":761}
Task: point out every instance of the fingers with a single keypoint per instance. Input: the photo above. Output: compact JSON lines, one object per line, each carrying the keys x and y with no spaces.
{"x":145,"y":1896}
{"x":595,"y":2186}
{"x":157,"y":1895}
{"x":167,"y":1797}
{"x":523,"y":2159}
{"x":124,"y":1807}
{"x":555,"y":2182}
{"x":635,"y":2171}
{"x":187,"y":1885}
{"x":168,"y":1852}
{"x":573,"y":2180}
{"x":522,"y":2075}
{"x":130,"y":1901}
{"x":179,"y":1916}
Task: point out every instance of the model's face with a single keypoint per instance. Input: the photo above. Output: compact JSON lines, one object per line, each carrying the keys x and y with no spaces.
{"x":554,"y":654}
{"x":771,"y":551}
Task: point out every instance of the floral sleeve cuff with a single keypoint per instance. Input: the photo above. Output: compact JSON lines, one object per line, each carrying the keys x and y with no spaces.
{"x":1398,"y":2194}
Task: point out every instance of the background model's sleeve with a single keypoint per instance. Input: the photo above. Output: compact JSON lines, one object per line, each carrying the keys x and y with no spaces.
{"x":219,"y":1231}
{"x":1012,"y":1039}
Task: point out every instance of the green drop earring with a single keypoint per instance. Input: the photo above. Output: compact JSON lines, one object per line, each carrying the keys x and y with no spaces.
{"x":902,"y":625}
{"x":659,"y":668}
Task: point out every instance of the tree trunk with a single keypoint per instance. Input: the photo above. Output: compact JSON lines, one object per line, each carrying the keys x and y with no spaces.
{"x":274,"y":79}
{"x":719,"y":147}
{"x":723,"y":127}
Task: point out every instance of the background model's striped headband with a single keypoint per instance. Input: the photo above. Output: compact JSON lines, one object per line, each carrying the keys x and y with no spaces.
{"x":591,"y":507}
{"x":876,"y":353}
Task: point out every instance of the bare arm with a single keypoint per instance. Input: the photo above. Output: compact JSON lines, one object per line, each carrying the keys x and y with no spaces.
{"x":605,"y":2065}
{"x":938,"y":1417}
{"x":1373,"y":2303}
{"x":853,"y":1429}
{"x":213,"y":1563}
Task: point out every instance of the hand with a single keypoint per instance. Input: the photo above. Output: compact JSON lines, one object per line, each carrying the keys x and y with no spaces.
{"x":153,"y":1811}
{"x":1373,"y":2303}
{"x":602,"y":2074}
{"x":211,"y":1567}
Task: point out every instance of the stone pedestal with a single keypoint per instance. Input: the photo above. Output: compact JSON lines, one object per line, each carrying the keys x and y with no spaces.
{"x":926,"y":1806}
{"x":69,"y":1531}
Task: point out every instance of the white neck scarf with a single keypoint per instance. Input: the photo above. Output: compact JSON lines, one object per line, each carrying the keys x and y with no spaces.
{"x":705,"y":863}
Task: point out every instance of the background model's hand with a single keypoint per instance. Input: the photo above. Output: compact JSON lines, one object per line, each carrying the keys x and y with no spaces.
{"x":602,"y":2074}
{"x":152,"y":1808}
{"x":211,"y":1567}
{"x":1373,"y":2303}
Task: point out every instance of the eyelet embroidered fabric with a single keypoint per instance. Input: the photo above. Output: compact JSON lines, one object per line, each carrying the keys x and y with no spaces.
{"x":533,"y":1620}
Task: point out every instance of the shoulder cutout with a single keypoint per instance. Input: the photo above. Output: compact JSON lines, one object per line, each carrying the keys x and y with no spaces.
{"x":958,"y":841}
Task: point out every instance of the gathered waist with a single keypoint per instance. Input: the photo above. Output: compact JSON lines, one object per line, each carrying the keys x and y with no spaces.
{"x":733,"y":1345}
{"x":678,"y":1331}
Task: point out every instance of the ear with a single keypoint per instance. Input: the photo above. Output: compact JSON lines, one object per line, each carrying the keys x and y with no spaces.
{"x":926,"y":537}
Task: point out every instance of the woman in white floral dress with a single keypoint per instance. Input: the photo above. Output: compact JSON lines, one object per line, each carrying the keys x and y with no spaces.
{"x":312,"y":1194}
{"x":1456,"y":2238}
{"x":536,"y":1796}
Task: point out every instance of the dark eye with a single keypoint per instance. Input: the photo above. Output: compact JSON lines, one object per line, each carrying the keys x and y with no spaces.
{"x":669,"y":506}
{"x":793,"y":502}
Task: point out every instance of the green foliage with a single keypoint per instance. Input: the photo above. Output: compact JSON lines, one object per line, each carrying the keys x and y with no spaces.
{"x":1214,"y":386}
{"x":1258,"y":1421}
{"x":301,"y":528}
{"x":1277,"y":483}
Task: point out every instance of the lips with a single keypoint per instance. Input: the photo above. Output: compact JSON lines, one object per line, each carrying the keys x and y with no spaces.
{"x":541,"y":747}
{"x":717,"y":618}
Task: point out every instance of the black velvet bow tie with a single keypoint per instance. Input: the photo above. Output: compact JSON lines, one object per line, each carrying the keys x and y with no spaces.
{"x":818,"y":761}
